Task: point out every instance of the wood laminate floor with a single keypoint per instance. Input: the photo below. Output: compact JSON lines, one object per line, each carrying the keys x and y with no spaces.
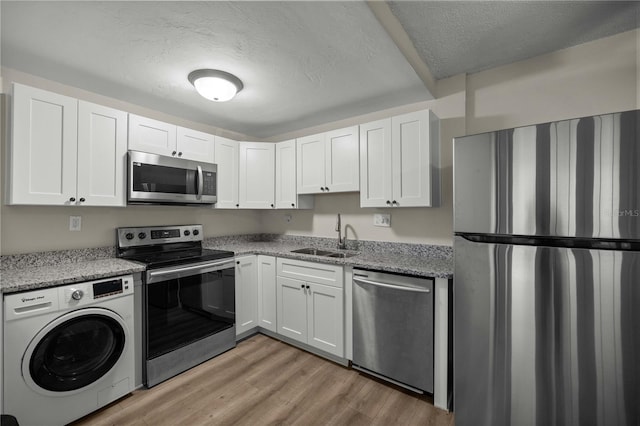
{"x":267,"y":382}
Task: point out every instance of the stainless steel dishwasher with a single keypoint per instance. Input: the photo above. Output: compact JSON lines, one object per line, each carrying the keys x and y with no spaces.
{"x":393,"y":328}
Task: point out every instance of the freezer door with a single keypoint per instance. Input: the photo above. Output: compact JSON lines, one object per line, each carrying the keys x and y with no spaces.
{"x":574,"y":178}
{"x":546,"y":336}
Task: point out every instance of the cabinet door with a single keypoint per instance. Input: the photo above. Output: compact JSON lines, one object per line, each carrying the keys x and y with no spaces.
{"x":292,"y":308}
{"x":415,"y":159}
{"x":375,"y":164}
{"x":310,"y":153}
{"x":286,"y":195}
{"x":226,"y":155}
{"x":195,"y":145}
{"x":246,"y":294}
{"x":325,"y":319}
{"x":148,"y":135}
{"x":102,"y":150}
{"x":43,"y":147}
{"x":257,"y":175}
{"x":342,"y":159}
{"x":267,"y":313}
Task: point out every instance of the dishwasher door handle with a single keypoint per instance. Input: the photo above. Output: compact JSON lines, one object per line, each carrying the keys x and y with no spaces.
{"x":395,"y":287}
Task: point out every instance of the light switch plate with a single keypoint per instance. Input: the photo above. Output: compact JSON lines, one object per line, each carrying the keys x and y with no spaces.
{"x":75,"y":223}
{"x":382,"y":220}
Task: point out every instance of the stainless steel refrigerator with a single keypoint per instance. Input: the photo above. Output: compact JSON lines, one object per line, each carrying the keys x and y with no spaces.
{"x":547,"y":274}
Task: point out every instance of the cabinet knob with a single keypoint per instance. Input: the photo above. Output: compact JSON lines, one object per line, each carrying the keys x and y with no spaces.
{"x":322,"y":188}
{"x":394,"y":202}
{"x":271,"y":205}
{"x":307,"y":287}
{"x":293,"y":205}
{"x":326,"y":188}
{"x":302,"y":286}
{"x":180,"y":154}
{"x":174,"y":153}
{"x":72,"y":199}
{"x":237,"y":205}
{"x":82,"y":200}
{"x":237,"y":262}
{"x":388,"y":202}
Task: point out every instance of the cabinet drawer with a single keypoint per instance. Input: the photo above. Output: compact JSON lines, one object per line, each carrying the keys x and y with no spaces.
{"x":311,"y":271}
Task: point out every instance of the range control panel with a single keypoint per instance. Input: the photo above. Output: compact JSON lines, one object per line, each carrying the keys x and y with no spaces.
{"x":152,"y":235}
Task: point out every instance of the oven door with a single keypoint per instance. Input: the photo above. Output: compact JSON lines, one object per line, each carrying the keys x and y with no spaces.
{"x":188,"y":303}
{"x":158,"y":179}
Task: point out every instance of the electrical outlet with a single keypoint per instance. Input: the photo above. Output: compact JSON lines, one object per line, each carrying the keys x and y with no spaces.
{"x":382,"y":220}
{"x":75,"y":223}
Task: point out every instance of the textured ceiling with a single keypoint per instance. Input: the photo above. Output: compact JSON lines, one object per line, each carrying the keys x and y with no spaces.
{"x":302,"y":63}
{"x":455,"y":37}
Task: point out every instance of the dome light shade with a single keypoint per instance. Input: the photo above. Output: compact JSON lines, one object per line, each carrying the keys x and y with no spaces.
{"x":215,"y":85}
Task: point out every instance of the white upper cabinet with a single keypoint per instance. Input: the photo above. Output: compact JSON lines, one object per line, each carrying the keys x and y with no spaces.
{"x":342,"y":171}
{"x":158,"y":137}
{"x":148,"y":135}
{"x":65,"y":152}
{"x":399,"y":161}
{"x":257,"y":175}
{"x":286,"y":195}
{"x":195,"y":145}
{"x":226,"y":155}
{"x":328,"y":162}
{"x":102,"y":150}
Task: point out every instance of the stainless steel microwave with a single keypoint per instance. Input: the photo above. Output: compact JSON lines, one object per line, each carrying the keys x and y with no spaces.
{"x":158,"y":179}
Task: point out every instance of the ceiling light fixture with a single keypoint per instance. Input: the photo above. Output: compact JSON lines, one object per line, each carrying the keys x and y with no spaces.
{"x":215,"y":85}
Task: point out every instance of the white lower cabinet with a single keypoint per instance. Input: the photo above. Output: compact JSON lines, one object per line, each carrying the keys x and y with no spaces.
{"x":310,"y":304}
{"x":267,"y":313}
{"x":246,"y":294}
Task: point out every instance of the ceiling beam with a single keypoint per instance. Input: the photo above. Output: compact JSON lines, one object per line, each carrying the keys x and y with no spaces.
{"x":399,"y":36}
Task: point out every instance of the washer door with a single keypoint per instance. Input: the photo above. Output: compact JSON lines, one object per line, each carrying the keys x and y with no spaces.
{"x":74,"y":351}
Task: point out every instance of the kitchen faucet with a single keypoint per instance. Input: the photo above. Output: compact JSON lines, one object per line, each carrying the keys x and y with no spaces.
{"x":342,"y":242}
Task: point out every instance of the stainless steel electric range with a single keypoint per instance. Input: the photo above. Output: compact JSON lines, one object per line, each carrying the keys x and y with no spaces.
{"x":188,"y":297}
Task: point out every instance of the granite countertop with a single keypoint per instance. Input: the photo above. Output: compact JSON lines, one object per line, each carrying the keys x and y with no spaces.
{"x":412,"y":259}
{"x":49,"y":269}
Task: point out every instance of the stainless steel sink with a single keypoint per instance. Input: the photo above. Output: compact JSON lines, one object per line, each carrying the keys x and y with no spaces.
{"x":325,"y":253}
{"x":342,"y":254}
{"x":313,"y":251}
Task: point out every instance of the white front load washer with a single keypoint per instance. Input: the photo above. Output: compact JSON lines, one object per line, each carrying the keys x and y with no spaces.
{"x":69,"y":350}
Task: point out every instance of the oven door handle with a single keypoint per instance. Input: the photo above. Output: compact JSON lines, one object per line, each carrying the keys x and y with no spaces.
{"x":159,"y":275}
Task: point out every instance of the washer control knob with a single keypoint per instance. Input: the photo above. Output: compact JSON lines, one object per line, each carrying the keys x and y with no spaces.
{"x":76,"y":294}
{"x":129,"y":236}
{"x":142,"y":235}
{"x":196,"y":232}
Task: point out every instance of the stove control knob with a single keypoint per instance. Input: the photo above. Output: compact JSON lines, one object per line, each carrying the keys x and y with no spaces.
{"x":142,"y":235}
{"x":129,"y":236}
{"x":196,"y":232}
{"x":76,"y":294}
{"x":187,"y":232}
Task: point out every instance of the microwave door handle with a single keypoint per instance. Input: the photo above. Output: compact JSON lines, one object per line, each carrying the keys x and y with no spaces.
{"x":200,"y":183}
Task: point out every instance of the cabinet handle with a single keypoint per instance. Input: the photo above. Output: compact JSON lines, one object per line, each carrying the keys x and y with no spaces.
{"x":72,"y":199}
{"x":173,"y":153}
{"x":82,"y":200}
{"x":180,"y":154}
